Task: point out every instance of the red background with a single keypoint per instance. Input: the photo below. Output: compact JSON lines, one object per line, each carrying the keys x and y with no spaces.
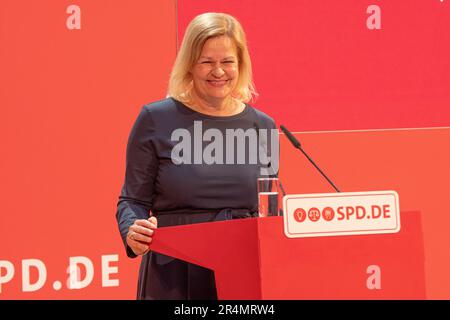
{"x":68,"y":100}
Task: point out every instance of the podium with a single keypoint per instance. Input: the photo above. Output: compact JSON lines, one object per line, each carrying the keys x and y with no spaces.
{"x":253,"y":259}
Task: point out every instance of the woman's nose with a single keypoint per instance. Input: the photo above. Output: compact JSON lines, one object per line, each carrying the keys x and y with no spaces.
{"x":218,"y":72}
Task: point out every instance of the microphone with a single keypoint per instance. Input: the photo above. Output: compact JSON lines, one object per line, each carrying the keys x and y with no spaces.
{"x":256,"y":127}
{"x":297,"y":145}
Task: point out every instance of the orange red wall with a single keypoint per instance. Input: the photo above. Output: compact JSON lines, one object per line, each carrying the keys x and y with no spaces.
{"x":372,"y":107}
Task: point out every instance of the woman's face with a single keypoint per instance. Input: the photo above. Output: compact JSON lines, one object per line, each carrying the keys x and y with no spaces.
{"x":216,"y":72}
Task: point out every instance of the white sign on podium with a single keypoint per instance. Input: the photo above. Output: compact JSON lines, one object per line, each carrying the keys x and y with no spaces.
{"x":340,"y":214}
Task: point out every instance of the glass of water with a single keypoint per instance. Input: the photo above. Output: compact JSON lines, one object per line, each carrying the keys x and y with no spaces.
{"x":268,"y":204}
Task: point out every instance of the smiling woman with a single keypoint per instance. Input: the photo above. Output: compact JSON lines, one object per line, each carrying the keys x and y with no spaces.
{"x":213,"y":70}
{"x":209,"y":87}
{"x":214,"y":78}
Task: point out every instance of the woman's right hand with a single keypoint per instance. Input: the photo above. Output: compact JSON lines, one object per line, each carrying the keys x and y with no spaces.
{"x":140,"y":235}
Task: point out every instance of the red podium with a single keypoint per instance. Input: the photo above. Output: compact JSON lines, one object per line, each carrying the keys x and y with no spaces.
{"x":253,"y":259}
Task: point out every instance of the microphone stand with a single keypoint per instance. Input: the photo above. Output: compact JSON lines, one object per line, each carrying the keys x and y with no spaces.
{"x":297,"y":145}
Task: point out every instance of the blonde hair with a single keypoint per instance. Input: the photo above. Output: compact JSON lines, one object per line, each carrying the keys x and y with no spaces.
{"x":200,"y":29}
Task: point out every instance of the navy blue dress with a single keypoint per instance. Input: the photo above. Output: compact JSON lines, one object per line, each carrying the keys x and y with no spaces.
{"x":185,"y":193}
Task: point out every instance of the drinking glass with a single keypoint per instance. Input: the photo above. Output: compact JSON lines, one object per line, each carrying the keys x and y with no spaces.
{"x":268,"y":194}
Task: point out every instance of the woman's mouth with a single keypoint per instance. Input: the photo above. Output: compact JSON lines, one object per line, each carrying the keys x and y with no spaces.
{"x":217,"y":83}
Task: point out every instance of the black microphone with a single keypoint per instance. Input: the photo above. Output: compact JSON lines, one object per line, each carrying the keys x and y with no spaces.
{"x":256,"y":127}
{"x":297,"y":145}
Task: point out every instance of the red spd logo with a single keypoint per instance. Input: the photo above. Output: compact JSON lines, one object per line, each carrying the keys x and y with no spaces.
{"x":299,"y":215}
{"x":314,"y":214}
{"x":328,"y":214}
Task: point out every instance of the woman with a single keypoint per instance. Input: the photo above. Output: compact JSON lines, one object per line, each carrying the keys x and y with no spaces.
{"x":209,"y":86}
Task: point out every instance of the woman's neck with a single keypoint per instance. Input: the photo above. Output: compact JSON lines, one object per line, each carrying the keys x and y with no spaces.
{"x":216,"y":107}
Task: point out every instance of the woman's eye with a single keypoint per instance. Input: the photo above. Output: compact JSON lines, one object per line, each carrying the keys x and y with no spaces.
{"x":229,"y":61}
{"x":205,"y":62}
